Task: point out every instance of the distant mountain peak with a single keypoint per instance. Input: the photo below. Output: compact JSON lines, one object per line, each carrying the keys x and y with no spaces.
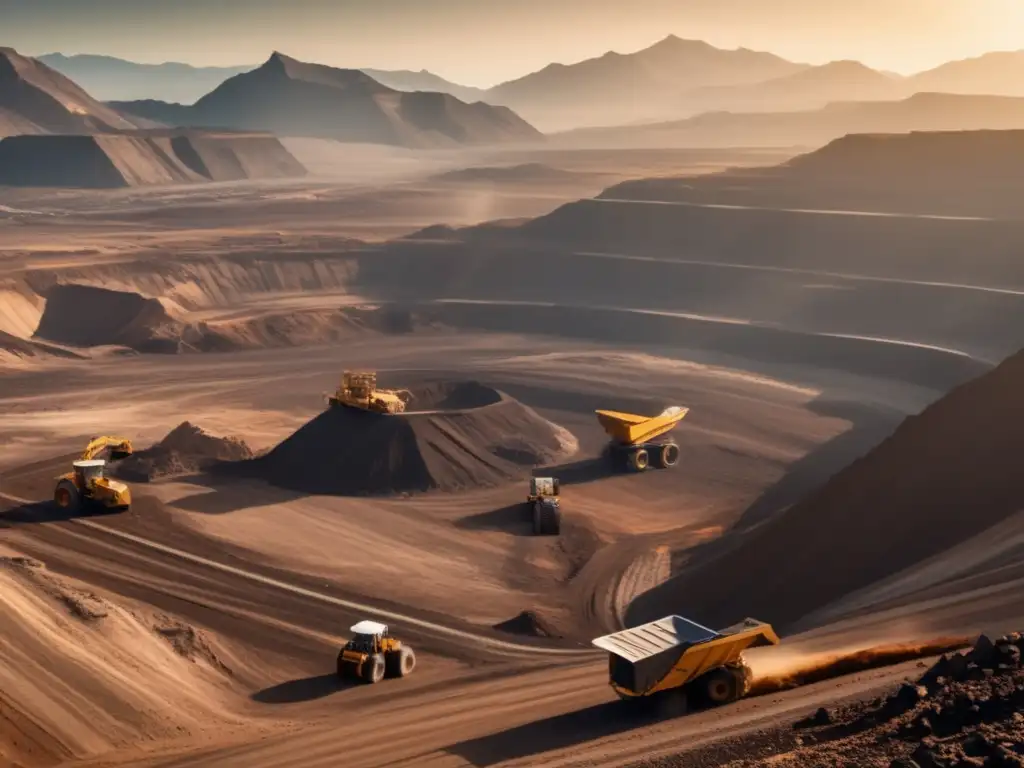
{"x":675,"y":40}
{"x":279,"y":61}
{"x":848,"y":64}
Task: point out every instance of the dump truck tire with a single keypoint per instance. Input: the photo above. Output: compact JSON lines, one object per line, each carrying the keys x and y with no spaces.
{"x":638,"y":460}
{"x":744,"y":680}
{"x":402,"y":662}
{"x":668,"y":455}
{"x":547,"y":521}
{"x":373,"y":668}
{"x":67,"y":497}
{"x":554,"y":525}
{"x":720,"y":686}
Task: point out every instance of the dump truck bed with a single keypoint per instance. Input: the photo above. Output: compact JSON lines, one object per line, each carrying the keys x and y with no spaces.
{"x":674,"y":651}
{"x":631,"y":428}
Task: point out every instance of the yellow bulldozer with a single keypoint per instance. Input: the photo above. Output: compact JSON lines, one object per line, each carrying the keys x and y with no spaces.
{"x":87,"y":486}
{"x":358,"y":389}
{"x":674,"y":655}
{"x":373,"y":654}
{"x":639,"y":442}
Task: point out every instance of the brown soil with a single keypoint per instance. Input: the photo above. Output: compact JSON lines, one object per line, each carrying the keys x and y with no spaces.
{"x":82,"y":673}
{"x":528,"y":623}
{"x":186,"y":450}
{"x":933,"y":484}
{"x":461,"y":436}
{"x":524,"y":173}
{"x":963,"y":712}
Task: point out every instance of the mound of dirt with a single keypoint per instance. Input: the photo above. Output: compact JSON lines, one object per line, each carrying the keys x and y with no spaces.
{"x":186,"y":449}
{"x":89,"y":316}
{"x":528,"y":623}
{"x":461,"y":435}
{"x":965,"y":711}
{"x":945,"y":476}
{"x":81,"y":674}
{"x":142,"y":158}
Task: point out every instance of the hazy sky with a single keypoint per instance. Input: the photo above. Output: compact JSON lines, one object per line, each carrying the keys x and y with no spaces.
{"x":481,"y":42}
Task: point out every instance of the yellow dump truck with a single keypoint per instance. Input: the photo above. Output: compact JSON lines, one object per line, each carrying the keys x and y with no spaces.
{"x":639,"y":442}
{"x":675,"y":654}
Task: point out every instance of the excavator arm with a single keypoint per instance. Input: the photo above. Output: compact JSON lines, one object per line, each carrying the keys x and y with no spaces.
{"x":119,"y":448}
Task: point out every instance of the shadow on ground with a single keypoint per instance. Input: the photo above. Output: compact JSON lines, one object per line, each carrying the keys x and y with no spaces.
{"x":48,"y":512}
{"x":587,"y":470}
{"x":561,"y":732}
{"x":302,"y":689}
{"x":226,"y":495}
{"x":515,"y":519}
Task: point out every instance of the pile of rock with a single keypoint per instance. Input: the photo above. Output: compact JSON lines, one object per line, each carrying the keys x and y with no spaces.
{"x":966,"y":711}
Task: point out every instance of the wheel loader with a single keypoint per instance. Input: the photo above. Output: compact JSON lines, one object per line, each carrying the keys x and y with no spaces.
{"x":677,"y":656}
{"x":639,"y":442}
{"x":545,"y":506}
{"x":358,"y":389}
{"x":86,"y":486}
{"x":372,"y":654}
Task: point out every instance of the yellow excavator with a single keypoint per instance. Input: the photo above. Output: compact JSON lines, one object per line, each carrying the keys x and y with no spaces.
{"x":87,"y":485}
{"x":676,"y":655}
{"x":358,"y":389}
{"x":638,"y":442}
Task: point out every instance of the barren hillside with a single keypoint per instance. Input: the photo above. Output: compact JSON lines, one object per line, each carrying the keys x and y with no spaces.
{"x":143,"y":158}
{"x":945,"y":483}
{"x":82,"y":674}
{"x":37,"y":99}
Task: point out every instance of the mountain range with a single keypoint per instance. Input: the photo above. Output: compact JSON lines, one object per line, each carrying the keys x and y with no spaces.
{"x":811,"y":128}
{"x":292,"y":98}
{"x":112,"y":79}
{"x":672,"y":79}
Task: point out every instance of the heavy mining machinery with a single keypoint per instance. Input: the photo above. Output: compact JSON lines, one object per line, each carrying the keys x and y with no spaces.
{"x":372,"y":654}
{"x":87,"y":485}
{"x":639,"y":442}
{"x":674,"y":655}
{"x":545,"y":506}
{"x":358,"y":389}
